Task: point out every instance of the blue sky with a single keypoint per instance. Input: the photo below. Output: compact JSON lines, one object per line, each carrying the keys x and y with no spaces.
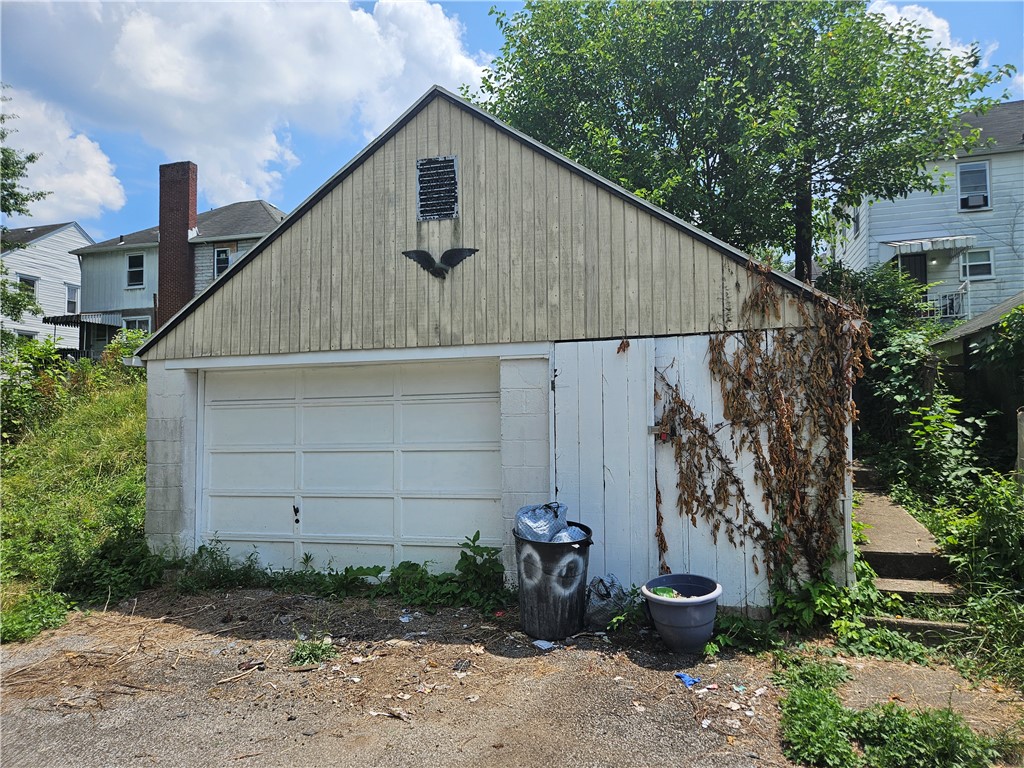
{"x":268,"y":99}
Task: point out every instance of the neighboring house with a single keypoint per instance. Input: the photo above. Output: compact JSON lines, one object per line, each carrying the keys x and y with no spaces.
{"x":329,"y":398}
{"x":178,"y":259}
{"x":970,"y":238}
{"x":48,"y":268}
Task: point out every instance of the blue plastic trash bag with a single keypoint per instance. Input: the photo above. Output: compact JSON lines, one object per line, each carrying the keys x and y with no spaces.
{"x":569,"y":534}
{"x":541,"y":521}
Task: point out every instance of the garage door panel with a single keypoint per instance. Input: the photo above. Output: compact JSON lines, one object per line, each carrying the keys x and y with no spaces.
{"x":271,"y":554}
{"x":234,"y":386}
{"x":451,"y":422}
{"x":389,"y":461}
{"x":348,"y":471}
{"x":338,"y":555}
{"x":226,"y":427}
{"x":350,"y":381}
{"x":449,"y":378}
{"x":251,"y":471}
{"x":438,"y":559}
{"x":444,"y":471}
{"x":458,"y":517}
{"x":351,"y":516}
{"x":265,"y":515}
{"x":347,"y":424}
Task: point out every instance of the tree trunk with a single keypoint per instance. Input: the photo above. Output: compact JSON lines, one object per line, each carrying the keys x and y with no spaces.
{"x":804,"y":220}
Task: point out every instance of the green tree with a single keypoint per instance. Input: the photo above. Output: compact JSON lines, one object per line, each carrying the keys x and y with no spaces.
{"x":14,"y":201}
{"x":761,"y":122}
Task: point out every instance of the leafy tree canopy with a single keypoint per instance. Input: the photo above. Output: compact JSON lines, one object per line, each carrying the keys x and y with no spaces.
{"x":761,"y":122}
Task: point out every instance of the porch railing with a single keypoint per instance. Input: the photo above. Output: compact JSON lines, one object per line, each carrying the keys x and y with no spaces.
{"x":949,"y":305}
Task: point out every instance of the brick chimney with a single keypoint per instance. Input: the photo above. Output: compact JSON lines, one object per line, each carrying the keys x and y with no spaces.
{"x":177,"y":219}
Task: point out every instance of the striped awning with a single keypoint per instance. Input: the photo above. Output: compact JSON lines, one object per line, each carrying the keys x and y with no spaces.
{"x":930,"y":244}
{"x":93,"y":318}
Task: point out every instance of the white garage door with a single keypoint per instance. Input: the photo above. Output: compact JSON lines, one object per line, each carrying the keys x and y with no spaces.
{"x":352,"y":465}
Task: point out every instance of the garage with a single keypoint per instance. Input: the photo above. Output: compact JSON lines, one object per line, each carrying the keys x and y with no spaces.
{"x":352,"y":465}
{"x":461,"y":322}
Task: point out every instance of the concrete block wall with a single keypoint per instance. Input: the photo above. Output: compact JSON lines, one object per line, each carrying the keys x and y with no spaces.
{"x":170,"y":458}
{"x":525,"y":442}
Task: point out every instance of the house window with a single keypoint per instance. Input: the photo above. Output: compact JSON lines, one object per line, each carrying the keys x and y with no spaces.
{"x":221,"y":261}
{"x":856,"y":222}
{"x":72,"y":299}
{"x":136,"y":324}
{"x":25,"y":334}
{"x":975,"y":265}
{"x":28,"y":284}
{"x":972,"y":185}
{"x":136,"y":270}
{"x":437,"y":189}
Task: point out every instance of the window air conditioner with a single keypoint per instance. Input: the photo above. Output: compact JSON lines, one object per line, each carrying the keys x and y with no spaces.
{"x":975,"y":201}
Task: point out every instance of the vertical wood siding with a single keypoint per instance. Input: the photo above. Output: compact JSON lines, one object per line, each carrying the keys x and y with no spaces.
{"x":560,"y":258}
{"x":604,"y":453}
{"x":609,"y":468}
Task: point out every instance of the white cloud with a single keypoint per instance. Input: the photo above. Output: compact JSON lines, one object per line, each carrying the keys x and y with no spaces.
{"x":1017,"y":86}
{"x":72,"y":167}
{"x":226,"y":84}
{"x":939,"y":36}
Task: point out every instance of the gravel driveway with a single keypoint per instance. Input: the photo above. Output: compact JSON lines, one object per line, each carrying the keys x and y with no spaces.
{"x":163,"y":680}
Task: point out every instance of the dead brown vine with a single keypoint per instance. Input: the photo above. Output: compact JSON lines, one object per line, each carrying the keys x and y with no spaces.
{"x":786,"y":398}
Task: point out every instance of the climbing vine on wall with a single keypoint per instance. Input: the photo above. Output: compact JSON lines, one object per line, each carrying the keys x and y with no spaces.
{"x":786,"y":399}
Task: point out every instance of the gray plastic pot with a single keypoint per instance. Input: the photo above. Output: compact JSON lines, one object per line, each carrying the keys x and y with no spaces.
{"x":684,"y":623}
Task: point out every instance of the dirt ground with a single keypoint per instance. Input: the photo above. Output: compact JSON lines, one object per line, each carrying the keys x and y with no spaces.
{"x":167,"y":680}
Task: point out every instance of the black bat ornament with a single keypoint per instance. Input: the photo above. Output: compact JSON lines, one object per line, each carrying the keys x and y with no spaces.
{"x":449,"y":259}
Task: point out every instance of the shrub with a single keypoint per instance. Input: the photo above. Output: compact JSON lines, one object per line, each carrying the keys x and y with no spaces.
{"x":32,"y":614}
{"x":33,"y":374}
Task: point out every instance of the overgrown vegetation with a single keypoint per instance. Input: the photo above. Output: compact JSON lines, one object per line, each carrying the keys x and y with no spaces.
{"x":818,"y":730}
{"x":478,"y":580}
{"x":913,"y":430}
{"x":73,"y":495}
{"x":785,"y":404}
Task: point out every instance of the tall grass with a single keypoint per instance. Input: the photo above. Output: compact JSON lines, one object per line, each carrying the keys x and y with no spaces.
{"x":73,"y":484}
{"x":73,"y":495}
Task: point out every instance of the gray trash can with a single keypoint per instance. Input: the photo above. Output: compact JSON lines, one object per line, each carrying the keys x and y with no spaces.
{"x":553,"y":585}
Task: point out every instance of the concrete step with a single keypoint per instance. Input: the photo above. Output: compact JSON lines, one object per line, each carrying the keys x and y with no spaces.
{"x":898,"y":547}
{"x":927,"y":632}
{"x":907,"y":565}
{"x":866,"y":478}
{"x":915,"y":589}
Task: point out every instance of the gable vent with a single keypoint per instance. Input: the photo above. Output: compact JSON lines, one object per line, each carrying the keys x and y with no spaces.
{"x":437,"y":189}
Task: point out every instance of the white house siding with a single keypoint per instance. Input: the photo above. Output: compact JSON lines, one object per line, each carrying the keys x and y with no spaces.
{"x":853,"y":248}
{"x":175,"y":434}
{"x":204,"y":274}
{"x":48,"y":260}
{"x":105,"y":278}
{"x":924,"y":215}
